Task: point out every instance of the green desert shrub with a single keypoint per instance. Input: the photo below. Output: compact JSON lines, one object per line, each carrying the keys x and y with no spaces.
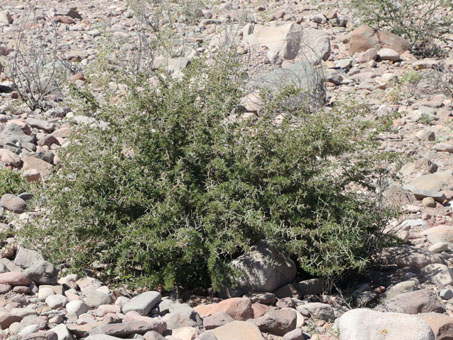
{"x":174,"y":184}
{"x":419,"y":21}
{"x":12,"y":183}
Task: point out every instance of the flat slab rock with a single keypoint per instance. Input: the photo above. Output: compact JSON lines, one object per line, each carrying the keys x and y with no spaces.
{"x":361,"y":324}
{"x":143,"y":303}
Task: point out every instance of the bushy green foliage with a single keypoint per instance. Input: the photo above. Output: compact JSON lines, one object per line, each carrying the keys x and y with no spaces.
{"x":174,"y":185}
{"x":419,"y":21}
{"x":12,"y":183}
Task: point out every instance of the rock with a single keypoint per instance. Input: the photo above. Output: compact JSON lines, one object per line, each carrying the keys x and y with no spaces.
{"x":42,"y":272}
{"x":425,"y":63}
{"x":151,"y":335}
{"x":388,"y":54}
{"x":311,"y":287}
{"x":87,"y":283}
{"x":296,"y":334}
{"x":124,"y":329}
{"x":13,"y":203}
{"x":155,"y":324}
{"x":48,"y":140}
{"x":97,"y":297}
{"x":440,"y":233}
{"x":77,"y":307}
{"x":443,"y":147}
{"x":402,"y":287}
{"x":439,"y":247}
{"x":33,"y":163}
{"x":207,"y":336}
{"x":26,"y":257}
{"x":32,"y":175}
{"x":277,"y":322}
{"x":408,"y":256}
{"x":41,"y":124}
{"x":283,"y":40}
{"x":103,"y":337}
{"x":441,"y":325}
{"x":62,"y":332}
{"x":287,"y":291}
{"x":318,"y":310}
{"x":13,"y":134}
{"x":260,"y":309}
{"x":238,"y":330}
{"x":438,"y":274}
{"x":252,"y":102}
{"x":301,"y":75}
{"x":237,"y":308}
{"x":9,"y":158}
{"x":143,"y":303}
{"x":446,"y":294}
{"x":263,"y":269}
{"x":315,"y":44}
{"x":429,"y":202}
{"x":367,"y":56}
{"x":6,"y":18}
{"x":5,"y":288}
{"x":420,"y":301}
{"x":47,"y":335}
{"x":361,"y":324}
{"x":14,"y":279}
{"x":181,"y":315}
{"x":44,"y":292}
{"x":56,"y":301}
{"x":430,"y":185}
{"x":216,"y":320}
{"x":106,"y":309}
{"x":185,"y":333}
{"x":6,"y":319}
{"x":364,"y":38}
{"x":28,"y":330}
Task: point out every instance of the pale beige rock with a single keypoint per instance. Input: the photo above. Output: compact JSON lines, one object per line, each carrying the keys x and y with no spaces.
{"x":9,"y":158}
{"x":43,"y":167}
{"x":361,"y":324}
{"x":442,"y":325}
{"x":238,"y":330}
{"x":440,"y":233}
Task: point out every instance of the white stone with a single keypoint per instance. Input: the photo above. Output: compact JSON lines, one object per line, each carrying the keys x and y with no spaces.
{"x":361,"y":324}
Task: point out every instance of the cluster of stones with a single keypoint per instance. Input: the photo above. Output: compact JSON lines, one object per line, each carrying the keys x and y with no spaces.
{"x":411,"y":295}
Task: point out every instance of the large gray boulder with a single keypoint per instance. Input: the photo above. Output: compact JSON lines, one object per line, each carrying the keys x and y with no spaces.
{"x":143,"y":303}
{"x":361,"y":324}
{"x":42,"y":272}
{"x":289,"y":41}
{"x":419,"y":301}
{"x":263,"y":269}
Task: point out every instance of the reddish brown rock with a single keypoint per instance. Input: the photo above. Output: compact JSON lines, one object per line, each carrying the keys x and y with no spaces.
{"x":154,"y":324}
{"x":63,"y":19}
{"x":260,"y":309}
{"x":43,"y":167}
{"x":238,"y":308}
{"x":364,"y":38}
{"x":216,"y":320}
{"x":277,"y":322}
{"x":6,"y":319}
{"x":14,"y":279}
{"x":441,"y":324}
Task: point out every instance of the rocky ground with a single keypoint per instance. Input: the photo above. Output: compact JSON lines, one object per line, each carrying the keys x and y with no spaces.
{"x":411,"y":295}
